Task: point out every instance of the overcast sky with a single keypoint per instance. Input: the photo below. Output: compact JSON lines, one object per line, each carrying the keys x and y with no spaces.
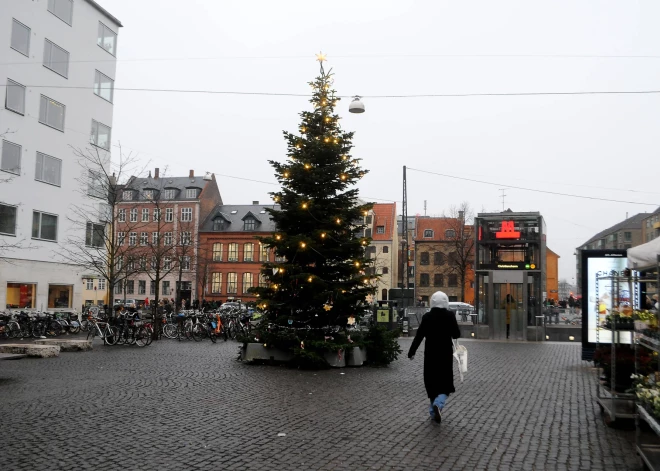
{"x":603,"y":146}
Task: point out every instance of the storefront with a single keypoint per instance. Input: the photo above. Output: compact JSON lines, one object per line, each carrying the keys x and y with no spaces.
{"x":510,"y":274}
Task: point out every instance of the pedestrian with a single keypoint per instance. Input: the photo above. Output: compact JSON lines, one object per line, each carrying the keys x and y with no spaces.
{"x":439,"y":327}
{"x":508,"y":301}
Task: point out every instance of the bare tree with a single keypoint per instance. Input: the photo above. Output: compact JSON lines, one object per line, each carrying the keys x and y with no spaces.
{"x":202,"y":264}
{"x":185,"y":253}
{"x":461,"y":258}
{"x":97,"y":242}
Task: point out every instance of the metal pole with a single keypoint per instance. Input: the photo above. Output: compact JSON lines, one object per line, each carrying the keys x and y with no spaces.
{"x":405,"y":229}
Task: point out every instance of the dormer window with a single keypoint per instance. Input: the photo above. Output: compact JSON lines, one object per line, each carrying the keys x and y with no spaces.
{"x":249,"y":224}
{"x":127,"y":195}
{"x":191,"y":192}
{"x":428,"y":233}
{"x":148,"y":194}
{"x":218,"y":224}
{"x":169,"y":194}
{"x":450,"y":234}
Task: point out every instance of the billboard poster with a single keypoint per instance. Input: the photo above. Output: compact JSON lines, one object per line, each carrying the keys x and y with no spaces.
{"x":600,"y":296}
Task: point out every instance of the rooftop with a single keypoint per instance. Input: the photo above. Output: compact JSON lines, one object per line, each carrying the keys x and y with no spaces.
{"x":105,"y":12}
{"x":179,"y":184}
{"x":232,"y":218}
{"x":384,"y":215}
{"x":634,"y":222}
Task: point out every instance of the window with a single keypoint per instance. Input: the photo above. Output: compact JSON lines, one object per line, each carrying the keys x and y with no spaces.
{"x":216,"y":282}
{"x":7,"y":219}
{"x":51,"y":113}
{"x":56,"y":58}
{"x":118,"y":289}
{"x":191,"y":192}
{"x":132,"y":238}
{"x":95,"y":184}
{"x":148,"y":194}
{"x":452,"y":258}
{"x":169,"y":194}
{"x":167,"y":263}
{"x":627,"y":236}
{"x":450,"y":234}
{"x":438,"y":258}
{"x":10,"y":160}
{"x":217,"y":252}
{"x":127,"y":195}
{"x":20,"y":38}
{"x":218,"y":224}
{"x":60,"y":296}
{"x":107,"y":39}
{"x":130,"y":263}
{"x":167,"y":240}
{"x":186,"y":214}
{"x":386,"y":270}
{"x":264,"y":253}
{"x":380,"y":229}
{"x":145,"y":214}
{"x":247,"y":282}
{"x":185,"y":263}
{"x":155,"y":237}
{"x":232,"y":287}
{"x":424,"y":258}
{"x":185,"y":238}
{"x":63,"y":9}
{"x":428,"y":233}
{"x":94,"y":235}
{"x":101,"y":284}
{"x":232,"y":255}
{"x":120,"y":238}
{"x":15,"y":98}
{"x":49,"y":169}
{"x":627,"y":246}
{"x":452,"y":281}
{"x":249,"y":224}
{"x":142,"y":287}
{"x":386,"y":249}
{"x":166,"y":287}
{"x":104,"y":86}
{"x":154,"y":262}
{"x":248,"y":252}
{"x":438,"y":280}
{"x":169,"y":214}
{"x":130,"y":286}
{"x":44,"y":226}
{"x":280,"y":258}
{"x":152,"y":287}
{"x":100,"y":135}
{"x":144,"y":238}
{"x":263,"y":283}
{"x":89,"y":283}
{"x":424,"y":279}
{"x":156,"y":214}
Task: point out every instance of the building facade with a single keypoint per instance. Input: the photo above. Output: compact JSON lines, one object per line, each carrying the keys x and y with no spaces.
{"x":67,"y":48}
{"x":438,"y":262}
{"x":651,"y":226}
{"x":232,"y":257}
{"x":157,"y":222}
{"x":552,"y":276}
{"x":381,"y":226}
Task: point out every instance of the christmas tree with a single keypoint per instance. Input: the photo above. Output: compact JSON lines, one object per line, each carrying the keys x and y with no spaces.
{"x":321,"y":277}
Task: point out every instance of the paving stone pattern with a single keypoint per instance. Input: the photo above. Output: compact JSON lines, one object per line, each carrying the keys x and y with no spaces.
{"x":190,"y":405}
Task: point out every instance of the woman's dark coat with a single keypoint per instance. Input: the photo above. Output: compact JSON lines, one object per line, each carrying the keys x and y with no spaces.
{"x":438,"y":326}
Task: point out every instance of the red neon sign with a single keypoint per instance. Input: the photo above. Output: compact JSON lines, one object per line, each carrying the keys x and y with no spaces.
{"x":508,"y":231}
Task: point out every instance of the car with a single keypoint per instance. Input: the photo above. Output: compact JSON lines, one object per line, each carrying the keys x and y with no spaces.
{"x":127,"y":303}
{"x":462,"y":309}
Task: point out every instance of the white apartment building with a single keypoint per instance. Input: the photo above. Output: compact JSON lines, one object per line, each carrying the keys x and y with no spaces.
{"x":57,"y":70}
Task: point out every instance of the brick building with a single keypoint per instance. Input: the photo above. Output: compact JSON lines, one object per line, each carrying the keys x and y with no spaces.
{"x":157,"y":222}
{"x":381,"y":226}
{"x":437,"y":259}
{"x":230,"y":256}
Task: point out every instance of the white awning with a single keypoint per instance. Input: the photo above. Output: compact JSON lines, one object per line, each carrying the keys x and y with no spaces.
{"x":645,"y":255}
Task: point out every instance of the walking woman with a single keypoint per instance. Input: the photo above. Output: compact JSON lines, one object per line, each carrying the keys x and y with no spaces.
{"x":508,"y":301}
{"x":439,"y":327}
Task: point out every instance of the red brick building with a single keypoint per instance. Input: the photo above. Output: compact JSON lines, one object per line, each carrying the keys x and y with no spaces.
{"x":157,"y":221}
{"x":230,"y":256}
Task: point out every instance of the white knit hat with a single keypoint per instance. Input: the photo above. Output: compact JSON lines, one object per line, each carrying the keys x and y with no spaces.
{"x":439,"y":299}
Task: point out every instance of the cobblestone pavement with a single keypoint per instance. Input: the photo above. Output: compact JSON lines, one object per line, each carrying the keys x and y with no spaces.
{"x":192,"y":406}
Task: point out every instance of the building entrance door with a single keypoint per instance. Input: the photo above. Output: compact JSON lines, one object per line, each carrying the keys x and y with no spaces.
{"x":509,"y":308}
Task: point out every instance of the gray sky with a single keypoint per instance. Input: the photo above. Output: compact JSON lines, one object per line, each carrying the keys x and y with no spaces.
{"x":602,"y":146}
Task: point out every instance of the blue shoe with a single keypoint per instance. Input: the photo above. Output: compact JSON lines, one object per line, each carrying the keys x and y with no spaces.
{"x":431,"y":412}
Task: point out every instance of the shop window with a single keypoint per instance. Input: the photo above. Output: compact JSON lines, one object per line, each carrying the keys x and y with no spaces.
{"x":60,"y":296}
{"x":21,"y":295}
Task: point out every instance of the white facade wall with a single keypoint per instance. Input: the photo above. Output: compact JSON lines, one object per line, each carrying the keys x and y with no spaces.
{"x":43,"y":263}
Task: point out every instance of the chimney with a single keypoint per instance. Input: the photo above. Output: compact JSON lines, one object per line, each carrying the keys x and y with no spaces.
{"x":156,"y":173}
{"x":192,"y":174}
{"x":255,"y":202}
{"x":461,"y":215}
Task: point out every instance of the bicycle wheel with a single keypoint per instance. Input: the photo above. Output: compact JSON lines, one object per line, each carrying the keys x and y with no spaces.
{"x":188,"y":332}
{"x":150,"y":337}
{"x":142,"y":337}
{"x":213,"y":337}
{"x":169,"y":331}
{"x":111,"y":335}
{"x":84,"y":325}
{"x":197,"y":332}
{"x":14,"y":330}
{"x":53,"y":328}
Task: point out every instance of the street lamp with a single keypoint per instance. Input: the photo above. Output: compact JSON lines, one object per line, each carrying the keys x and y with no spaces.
{"x":356,"y":105}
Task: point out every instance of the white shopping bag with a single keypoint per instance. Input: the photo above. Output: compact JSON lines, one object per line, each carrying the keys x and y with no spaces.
{"x":461,"y":355}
